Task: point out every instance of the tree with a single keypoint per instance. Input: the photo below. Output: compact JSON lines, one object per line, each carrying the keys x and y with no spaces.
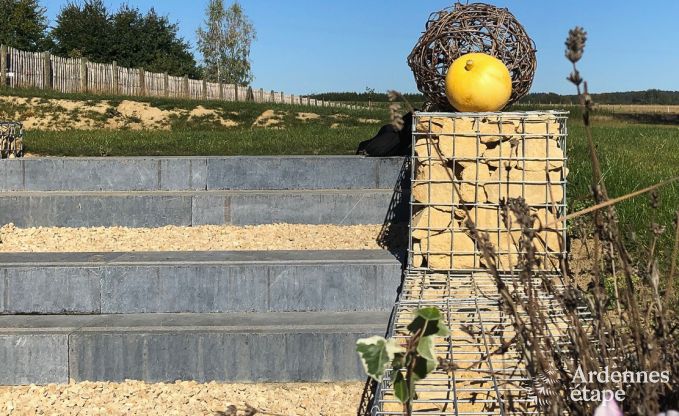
{"x":83,"y":31}
{"x":150,"y":41}
{"x":23,"y":24}
{"x":128,"y":36}
{"x":225,"y":44}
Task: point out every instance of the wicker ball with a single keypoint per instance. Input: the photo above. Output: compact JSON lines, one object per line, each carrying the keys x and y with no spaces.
{"x":462,"y":29}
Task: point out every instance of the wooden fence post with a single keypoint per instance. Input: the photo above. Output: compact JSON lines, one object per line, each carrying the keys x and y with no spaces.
{"x":114,"y":77}
{"x":221,"y":91}
{"x":83,"y":74}
{"x":142,"y":82}
{"x":166,"y":84}
{"x":204,"y":89}
{"x":250,"y":96}
{"x":235,"y":89}
{"x":273,"y":97}
{"x":185,"y":86}
{"x":47,"y":71}
{"x":3,"y":65}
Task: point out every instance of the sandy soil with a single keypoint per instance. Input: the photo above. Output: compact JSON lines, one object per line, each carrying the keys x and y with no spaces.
{"x":57,"y":114}
{"x":307,"y":116}
{"x":270,"y":118}
{"x":201,"y":238}
{"x":181,"y":398}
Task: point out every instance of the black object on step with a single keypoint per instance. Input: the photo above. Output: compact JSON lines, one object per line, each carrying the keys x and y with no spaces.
{"x":389,"y":141}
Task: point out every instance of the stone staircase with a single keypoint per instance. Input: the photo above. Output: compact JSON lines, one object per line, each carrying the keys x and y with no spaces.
{"x":164,"y":316}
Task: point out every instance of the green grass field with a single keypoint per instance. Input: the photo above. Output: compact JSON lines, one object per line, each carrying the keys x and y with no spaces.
{"x":335,"y":131}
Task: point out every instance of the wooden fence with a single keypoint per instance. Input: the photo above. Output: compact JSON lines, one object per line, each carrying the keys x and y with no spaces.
{"x":20,"y":69}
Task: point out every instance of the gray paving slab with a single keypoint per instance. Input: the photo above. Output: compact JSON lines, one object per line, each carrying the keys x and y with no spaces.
{"x":246,"y":347}
{"x":153,"y":282}
{"x":301,"y":172}
{"x":197,"y":173}
{"x":155,"y":209}
{"x":33,"y":358}
{"x":48,"y":209}
{"x":51,"y":290}
{"x":197,"y":257}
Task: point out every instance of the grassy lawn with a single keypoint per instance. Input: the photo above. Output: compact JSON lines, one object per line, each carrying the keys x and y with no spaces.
{"x":330,"y":131}
{"x":633,"y":156}
{"x":314,"y":138}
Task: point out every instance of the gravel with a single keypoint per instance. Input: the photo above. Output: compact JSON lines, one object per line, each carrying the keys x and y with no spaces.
{"x":200,"y":238}
{"x":181,"y":398}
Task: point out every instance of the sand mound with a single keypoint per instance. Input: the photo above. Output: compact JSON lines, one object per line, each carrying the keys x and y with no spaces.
{"x":270,"y":118}
{"x":202,"y":112}
{"x":368,"y":120}
{"x":307,"y":116}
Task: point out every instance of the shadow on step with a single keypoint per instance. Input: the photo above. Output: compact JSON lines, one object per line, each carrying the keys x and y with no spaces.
{"x":394,"y":233}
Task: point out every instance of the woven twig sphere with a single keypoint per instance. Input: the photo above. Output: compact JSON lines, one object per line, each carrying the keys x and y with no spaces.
{"x":462,"y":29}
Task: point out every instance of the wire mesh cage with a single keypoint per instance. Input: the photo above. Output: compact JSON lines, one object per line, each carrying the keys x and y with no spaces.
{"x":467,"y":166}
{"x":490,"y":376}
{"x":11,"y":139}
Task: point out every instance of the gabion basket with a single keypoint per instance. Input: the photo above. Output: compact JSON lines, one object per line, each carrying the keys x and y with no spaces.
{"x":467,"y":166}
{"x":11,"y":139}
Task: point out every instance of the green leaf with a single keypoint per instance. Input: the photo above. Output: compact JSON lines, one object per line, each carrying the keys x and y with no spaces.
{"x":430,"y":314}
{"x":417,"y":323}
{"x":429,"y":320}
{"x":422,"y":368}
{"x":401,"y":388}
{"x":398,"y":362}
{"x":425,"y":348}
{"x":442,"y":329}
{"x":376,"y":354}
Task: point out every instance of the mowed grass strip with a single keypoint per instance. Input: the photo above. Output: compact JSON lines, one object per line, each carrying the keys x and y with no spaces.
{"x":302,"y":140}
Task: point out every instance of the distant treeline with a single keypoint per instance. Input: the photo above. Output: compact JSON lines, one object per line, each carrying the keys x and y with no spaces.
{"x":626,"y":97}
{"x":363,"y":96}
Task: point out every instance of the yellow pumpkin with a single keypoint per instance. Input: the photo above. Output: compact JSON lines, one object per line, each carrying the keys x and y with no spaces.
{"x":478,"y":82}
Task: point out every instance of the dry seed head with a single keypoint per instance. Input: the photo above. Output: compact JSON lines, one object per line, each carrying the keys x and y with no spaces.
{"x":575,"y":44}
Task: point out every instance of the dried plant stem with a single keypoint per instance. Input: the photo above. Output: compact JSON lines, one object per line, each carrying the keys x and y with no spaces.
{"x":611,"y":202}
{"x":673,"y":268}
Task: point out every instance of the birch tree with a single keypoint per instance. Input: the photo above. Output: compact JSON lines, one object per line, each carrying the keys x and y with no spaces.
{"x":224,"y":42}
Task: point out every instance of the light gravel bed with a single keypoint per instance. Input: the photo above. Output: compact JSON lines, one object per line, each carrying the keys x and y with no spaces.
{"x":182,"y":398}
{"x":200,"y":238}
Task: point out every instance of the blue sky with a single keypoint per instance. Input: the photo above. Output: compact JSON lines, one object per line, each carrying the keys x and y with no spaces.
{"x":306,"y":46}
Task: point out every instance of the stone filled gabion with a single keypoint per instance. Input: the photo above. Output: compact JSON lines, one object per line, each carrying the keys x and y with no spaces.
{"x":462,"y":29}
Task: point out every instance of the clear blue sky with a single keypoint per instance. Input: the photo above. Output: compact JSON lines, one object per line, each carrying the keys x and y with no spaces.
{"x":306,"y":46}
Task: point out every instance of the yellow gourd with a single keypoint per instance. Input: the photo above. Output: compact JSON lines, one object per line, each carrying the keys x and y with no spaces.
{"x":478,"y":82}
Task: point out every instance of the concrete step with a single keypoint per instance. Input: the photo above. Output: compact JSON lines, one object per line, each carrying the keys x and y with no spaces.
{"x":159,"y":208}
{"x":198,"y":173}
{"x":235,"y":281}
{"x":256,"y":347}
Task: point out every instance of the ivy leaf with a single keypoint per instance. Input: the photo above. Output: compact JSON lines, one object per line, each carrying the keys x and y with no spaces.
{"x":442,"y":329}
{"x":422,"y":368}
{"x":425,"y":348}
{"x":376,"y":354}
{"x":401,"y":388}
{"x":430,"y":314}
{"x":429,"y":320}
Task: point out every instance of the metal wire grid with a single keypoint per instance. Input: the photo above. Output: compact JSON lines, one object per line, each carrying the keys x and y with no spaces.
{"x":11,"y":139}
{"x":487,"y":382}
{"x":490,"y":156}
